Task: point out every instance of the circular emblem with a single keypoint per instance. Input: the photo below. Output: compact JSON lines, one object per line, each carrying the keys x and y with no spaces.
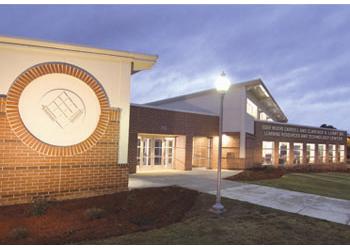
{"x":64,"y":108}
{"x":57,"y":109}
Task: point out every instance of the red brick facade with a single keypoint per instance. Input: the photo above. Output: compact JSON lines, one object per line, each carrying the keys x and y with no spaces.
{"x":194,"y":132}
{"x":27,"y":174}
{"x":277,"y":133}
{"x":184,"y":125}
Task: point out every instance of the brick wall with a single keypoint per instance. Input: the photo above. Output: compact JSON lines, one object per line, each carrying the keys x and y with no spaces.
{"x":261,"y":136}
{"x":253,"y":152}
{"x":230,"y":152}
{"x":26,"y":174}
{"x":184,"y":125}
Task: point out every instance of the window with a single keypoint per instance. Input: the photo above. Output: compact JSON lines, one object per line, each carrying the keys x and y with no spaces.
{"x":155,"y":152}
{"x":138,"y":150}
{"x":310,"y":153}
{"x":263,"y":116}
{"x":146,"y":152}
{"x":252,"y":109}
{"x":298,"y":153}
{"x":158,"y":151}
{"x":341,"y":153}
{"x":169,"y":151}
{"x":283,"y":153}
{"x":322,"y":153}
{"x":331,"y":153}
{"x":268,"y":152}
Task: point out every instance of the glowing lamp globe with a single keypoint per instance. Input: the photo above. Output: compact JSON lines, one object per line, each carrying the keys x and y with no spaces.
{"x":222,"y":84}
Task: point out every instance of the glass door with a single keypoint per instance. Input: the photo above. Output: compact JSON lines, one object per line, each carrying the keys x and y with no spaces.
{"x":169,"y":152}
{"x":146,"y":161}
{"x":155,"y":152}
{"x":158,"y":152}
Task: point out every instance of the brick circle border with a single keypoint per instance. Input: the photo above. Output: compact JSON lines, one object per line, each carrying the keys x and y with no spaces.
{"x":20,"y":130}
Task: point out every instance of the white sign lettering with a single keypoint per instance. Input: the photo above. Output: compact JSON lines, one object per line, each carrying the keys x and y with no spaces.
{"x":302,"y":133}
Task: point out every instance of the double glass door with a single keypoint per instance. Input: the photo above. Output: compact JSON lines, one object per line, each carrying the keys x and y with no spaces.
{"x":155,"y":152}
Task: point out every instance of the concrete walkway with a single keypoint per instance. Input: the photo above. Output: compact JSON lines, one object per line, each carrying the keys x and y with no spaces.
{"x":203,"y":180}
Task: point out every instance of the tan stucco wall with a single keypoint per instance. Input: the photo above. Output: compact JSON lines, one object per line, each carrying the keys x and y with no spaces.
{"x":111,"y":71}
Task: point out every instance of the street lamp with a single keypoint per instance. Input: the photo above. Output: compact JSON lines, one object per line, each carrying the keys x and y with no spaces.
{"x":222,"y":85}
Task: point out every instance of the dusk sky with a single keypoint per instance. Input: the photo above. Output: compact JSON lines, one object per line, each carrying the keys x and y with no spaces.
{"x":302,"y":53}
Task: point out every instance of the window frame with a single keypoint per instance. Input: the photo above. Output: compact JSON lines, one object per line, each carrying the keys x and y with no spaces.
{"x":251,"y":105}
{"x":287,"y":160}
{"x":301,"y":150}
{"x":324,"y":153}
{"x":310,"y":156}
{"x":264,"y":149}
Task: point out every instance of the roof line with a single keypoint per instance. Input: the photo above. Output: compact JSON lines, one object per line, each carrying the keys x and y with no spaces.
{"x":199,"y":93}
{"x":212,"y":90}
{"x":75,"y":48}
{"x":273,"y":99}
{"x":174,"y":110}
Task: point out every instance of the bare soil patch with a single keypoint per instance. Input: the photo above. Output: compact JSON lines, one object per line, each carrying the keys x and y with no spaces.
{"x":242,"y":223}
{"x":96,"y":217}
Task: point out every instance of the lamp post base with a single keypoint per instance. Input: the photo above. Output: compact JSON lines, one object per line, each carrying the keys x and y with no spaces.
{"x":218,"y":208}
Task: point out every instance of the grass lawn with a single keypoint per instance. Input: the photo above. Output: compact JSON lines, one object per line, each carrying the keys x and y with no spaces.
{"x":331,"y":184}
{"x":242,"y":223}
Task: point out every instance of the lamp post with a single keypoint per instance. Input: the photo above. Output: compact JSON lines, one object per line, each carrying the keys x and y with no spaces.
{"x":222,"y":84}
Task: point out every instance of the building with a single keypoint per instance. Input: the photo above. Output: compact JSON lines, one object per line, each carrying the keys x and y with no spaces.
{"x":64,"y":119}
{"x":67,"y":129}
{"x":182,"y":133}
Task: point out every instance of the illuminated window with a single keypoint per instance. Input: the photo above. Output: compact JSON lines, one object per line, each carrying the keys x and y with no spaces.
{"x":341,"y":153}
{"x":138,"y":150}
{"x":146,"y":152}
{"x":310,"y":153}
{"x":331,"y":153}
{"x":283,"y":155}
{"x":158,"y":151}
{"x":169,"y":151}
{"x":298,"y":153}
{"x":252,"y":109}
{"x":263,"y":116}
{"x":322,"y":153}
{"x":268,"y":152}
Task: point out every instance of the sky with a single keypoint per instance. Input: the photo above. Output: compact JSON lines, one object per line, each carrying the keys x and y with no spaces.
{"x":301,"y":52}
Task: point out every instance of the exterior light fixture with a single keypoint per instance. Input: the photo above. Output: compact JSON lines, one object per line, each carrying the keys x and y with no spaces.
{"x":222,"y":85}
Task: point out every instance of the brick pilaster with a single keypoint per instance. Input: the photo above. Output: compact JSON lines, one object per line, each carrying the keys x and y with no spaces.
{"x":2,"y":103}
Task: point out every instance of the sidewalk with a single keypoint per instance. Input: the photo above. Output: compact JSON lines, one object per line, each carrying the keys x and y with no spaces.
{"x":331,"y":209}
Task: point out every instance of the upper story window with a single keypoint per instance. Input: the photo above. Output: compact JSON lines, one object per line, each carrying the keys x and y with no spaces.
{"x":252,"y":109}
{"x":263,"y":116}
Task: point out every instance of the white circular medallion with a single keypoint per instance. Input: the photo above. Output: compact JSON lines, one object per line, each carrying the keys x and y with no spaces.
{"x":59,"y":109}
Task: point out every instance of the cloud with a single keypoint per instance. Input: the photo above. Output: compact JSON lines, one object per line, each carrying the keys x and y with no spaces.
{"x":300,"y":51}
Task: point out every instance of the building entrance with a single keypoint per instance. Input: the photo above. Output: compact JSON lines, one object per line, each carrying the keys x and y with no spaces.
{"x":155,"y":152}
